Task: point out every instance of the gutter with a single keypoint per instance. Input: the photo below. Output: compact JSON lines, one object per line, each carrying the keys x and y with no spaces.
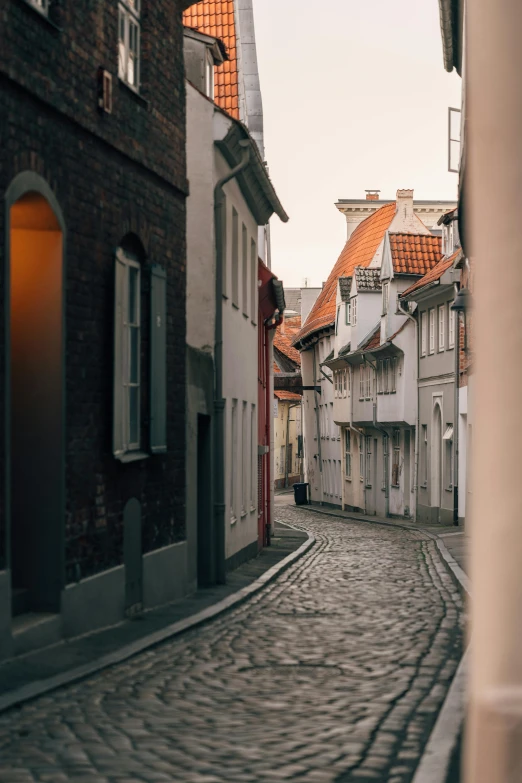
{"x":219,"y":402}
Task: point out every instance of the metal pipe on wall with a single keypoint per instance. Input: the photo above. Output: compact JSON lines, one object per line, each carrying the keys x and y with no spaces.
{"x":494,"y":196}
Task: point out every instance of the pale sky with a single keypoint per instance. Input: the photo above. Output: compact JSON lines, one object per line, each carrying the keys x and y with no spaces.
{"x":355,"y":96}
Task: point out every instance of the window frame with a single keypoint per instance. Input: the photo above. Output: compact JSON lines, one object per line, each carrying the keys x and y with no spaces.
{"x":235,"y":258}
{"x":130,"y":13}
{"x":396,"y":458}
{"x":348,"y":454}
{"x":431,"y":326}
{"x":348,"y":312}
{"x":424,"y":332}
{"x":385,"y":297}
{"x":451,"y":326}
{"x":441,"y":319}
{"x":353,"y":316}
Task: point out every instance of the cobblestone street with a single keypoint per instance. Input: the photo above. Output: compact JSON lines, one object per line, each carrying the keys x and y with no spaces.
{"x":334,"y":672}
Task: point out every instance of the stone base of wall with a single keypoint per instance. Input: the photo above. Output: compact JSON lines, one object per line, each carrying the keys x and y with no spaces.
{"x":247,"y":553}
{"x":280,"y":482}
{"x":429,"y":515}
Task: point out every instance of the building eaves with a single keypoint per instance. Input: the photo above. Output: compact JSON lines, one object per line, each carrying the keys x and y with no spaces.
{"x":451,"y":25}
{"x":367,"y":279}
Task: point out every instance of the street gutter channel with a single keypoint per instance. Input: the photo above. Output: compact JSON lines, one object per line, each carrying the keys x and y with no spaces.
{"x":439,"y":762}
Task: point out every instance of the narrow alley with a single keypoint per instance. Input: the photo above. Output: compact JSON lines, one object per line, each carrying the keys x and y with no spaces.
{"x":333,"y":673}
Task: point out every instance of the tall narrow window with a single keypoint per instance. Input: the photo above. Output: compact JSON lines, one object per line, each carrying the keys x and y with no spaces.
{"x":369,"y":379}
{"x":127,"y":345}
{"x":245,"y":271}
{"x":244,"y":460}
{"x":353,"y":300}
{"x":448,"y":456}
{"x":209,"y":76}
{"x":393,"y":379}
{"x":253,"y":281}
{"x":396,"y":457}
{"x":432,"y":330}
{"x":233,"y":460}
{"x":424,"y":332}
{"x":425,"y":455}
{"x":368,"y":475}
{"x":235,"y":258}
{"x":442,"y":317}
{"x":361,"y":381}
{"x":385,"y":297}
{"x":451,"y":329}
{"x":253,"y":452}
{"x":348,"y":312}
{"x":336,"y":383}
{"x":347,"y":454}
{"x":129,"y":42}
{"x":361,"y":457}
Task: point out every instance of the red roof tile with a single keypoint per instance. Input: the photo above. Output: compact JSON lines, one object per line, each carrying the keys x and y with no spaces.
{"x":374,"y":340}
{"x":414,"y":254}
{"x":286,"y":395}
{"x":216,"y":18}
{"x":433,"y":275}
{"x":358,"y":251}
{"x":283,"y":342}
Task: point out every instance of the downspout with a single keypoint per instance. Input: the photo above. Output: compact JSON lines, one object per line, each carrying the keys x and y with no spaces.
{"x":417,"y":426}
{"x":318,"y":430}
{"x":457,"y":418}
{"x":295,"y":405}
{"x":219,"y":402}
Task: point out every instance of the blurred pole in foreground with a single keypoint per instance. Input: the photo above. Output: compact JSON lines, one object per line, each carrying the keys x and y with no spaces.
{"x":494,"y":92}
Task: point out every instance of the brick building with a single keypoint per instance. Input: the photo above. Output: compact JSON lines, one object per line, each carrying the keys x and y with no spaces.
{"x":92,"y":389}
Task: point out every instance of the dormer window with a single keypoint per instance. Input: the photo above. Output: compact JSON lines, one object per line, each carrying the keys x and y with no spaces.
{"x":209,"y":75}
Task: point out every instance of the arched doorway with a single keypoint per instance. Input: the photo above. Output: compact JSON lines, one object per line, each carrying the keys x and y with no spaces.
{"x":35,"y":402}
{"x":436,"y":456}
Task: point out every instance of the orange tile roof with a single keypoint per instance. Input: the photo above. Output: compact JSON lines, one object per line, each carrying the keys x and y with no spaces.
{"x":283,"y":342}
{"x":358,"y":251}
{"x":286,"y":395}
{"x":374,"y":340}
{"x":433,"y":275}
{"x":216,"y":18}
{"x":414,"y":254}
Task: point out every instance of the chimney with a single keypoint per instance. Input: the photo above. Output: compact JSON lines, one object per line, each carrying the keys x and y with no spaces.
{"x":372,"y":195}
{"x":405,"y":219}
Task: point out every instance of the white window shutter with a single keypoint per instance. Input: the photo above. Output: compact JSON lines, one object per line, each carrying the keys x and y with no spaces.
{"x":118,"y":444}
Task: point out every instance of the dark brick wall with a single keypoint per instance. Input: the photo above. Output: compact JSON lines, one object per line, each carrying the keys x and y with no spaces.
{"x":115,"y":176}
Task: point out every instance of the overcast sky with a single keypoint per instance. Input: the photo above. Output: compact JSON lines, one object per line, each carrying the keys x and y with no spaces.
{"x":355,"y":96}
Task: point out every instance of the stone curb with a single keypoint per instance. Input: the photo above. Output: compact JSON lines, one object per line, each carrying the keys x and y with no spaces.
{"x":41,"y":687}
{"x":434,"y":763}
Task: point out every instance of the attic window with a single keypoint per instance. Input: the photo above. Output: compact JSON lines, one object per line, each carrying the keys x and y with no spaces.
{"x":209,"y":75}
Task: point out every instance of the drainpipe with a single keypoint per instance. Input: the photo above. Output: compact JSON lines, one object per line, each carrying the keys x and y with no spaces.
{"x":295,"y":405}
{"x":318,"y":430}
{"x":219,"y":402}
{"x":416,"y":464}
{"x":457,"y":418}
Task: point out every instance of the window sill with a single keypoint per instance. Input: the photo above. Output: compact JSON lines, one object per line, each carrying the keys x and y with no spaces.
{"x":348,"y":478}
{"x":245,"y":316}
{"x":233,"y":520}
{"x":235,"y":306}
{"x":424,"y":486}
{"x":134,"y":92}
{"x":132,"y":456}
{"x":252,"y":509}
{"x":243,"y":514}
{"x":448,"y":489}
{"x":395,"y":486}
{"x":254,"y":323}
{"x":41,"y":15}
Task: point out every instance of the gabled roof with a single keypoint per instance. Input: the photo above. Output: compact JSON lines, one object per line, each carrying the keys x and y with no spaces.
{"x":373,"y":340}
{"x":358,"y":251}
{"x":345,"y":285}
{"x":216,"y":18}
{"x":367,"y":279}
{"x":433,"y":275}
{"x":414,"y":254}
{"x":283,"y":343}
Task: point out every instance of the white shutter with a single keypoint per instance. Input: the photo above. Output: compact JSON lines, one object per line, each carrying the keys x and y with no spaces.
{"x":118,"y":441}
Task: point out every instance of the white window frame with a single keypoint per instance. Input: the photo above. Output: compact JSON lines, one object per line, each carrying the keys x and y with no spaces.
{"x":253,"y":455}
{"x":424,"y":332}
{"x":396,"y":460}
{"x":124,"y":326}
{"x":362,"y":381}
{"x":431,"y":320}
{"x":368,"y":474}
{"x":451,"y":326}
{"x":209,"y":76}
{"x":394,"y":364}
{"x":233,"y":460}
{"x":348,"y":312}
{"x":348,"y":454}
{"x":129,"y":35}
{"x":353,"y":301}
{"x":336,"y":383}
{"x":442,"y":331}
{"x":244,"y":463}
{"x":361,"y":457}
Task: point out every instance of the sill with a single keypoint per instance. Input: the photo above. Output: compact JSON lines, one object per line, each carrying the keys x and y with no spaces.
{"x":243,"y":514}
{"x":424,"y":486}
{"x":41,"y":15}
{"x":348,"y":478}
{"x":235,"y":306}
{"x":245,"y":315}
{"x":254,"y":323}
{"x":448,"y":489}
{"x":224,"y":296}
{"x":134,"y":92}
{"x":252,"y":509}
{"x":132,"y":456}
{"x":395,"y":486}
{"x":233,"y":520}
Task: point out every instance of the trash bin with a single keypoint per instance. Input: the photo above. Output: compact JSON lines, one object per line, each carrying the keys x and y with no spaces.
{"x":301,"y":494}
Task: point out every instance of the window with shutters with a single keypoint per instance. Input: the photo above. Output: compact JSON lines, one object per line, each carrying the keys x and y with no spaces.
{"x":127,"y":349}
{"x":368,"y":475}
{"x":431,"y":314}
{"x":347,"y":454}
{"x":451,"y":326}
{"x":348,"y":312}
{"x":424,"y":333}
{"x":442,"y":319}
{"x":235,"y":258}
{"x":245,"y":270}
{"x":129,"y":42}
{"x":396,"y":458}
{"x":253,"y":281}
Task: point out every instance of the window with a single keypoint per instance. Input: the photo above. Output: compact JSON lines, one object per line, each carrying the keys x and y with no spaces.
{"x":348,"y":312}
{"x":385,"y":297}
{"x":245,"y":271}
{"x":253,"y":282}
{"x":432,"y":330}
{"x":386,"y":458}
{"x":396,"y":457}
{"x":361,"y":457}
{"x":369,"y":378}
{"x":347,"y":454}
{"x":424,"y":455}
{"x":233,"y":460}
{"x":235,"y":258}
{"x":368,"y":476}
{"x":129,"y":42}
{"x":337,"y":319}
{"x":362,"y":384}
{"x":424,"y":330}
{"x":451,"y":326}
{"x":127,"y":348}
{"x":244,"y":463}
{"x":209,"y":76}
{"x":289,"y":459}
{"x":333,"y":432}
{"x":253,"y":450}
{"x":393,"y":375}
{"x":447,"y":439}
{"x":354,"y":311}
{"x":442,"y":316}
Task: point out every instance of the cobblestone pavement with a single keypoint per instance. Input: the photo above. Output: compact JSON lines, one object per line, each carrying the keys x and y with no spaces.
{"x":334,"y":673}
